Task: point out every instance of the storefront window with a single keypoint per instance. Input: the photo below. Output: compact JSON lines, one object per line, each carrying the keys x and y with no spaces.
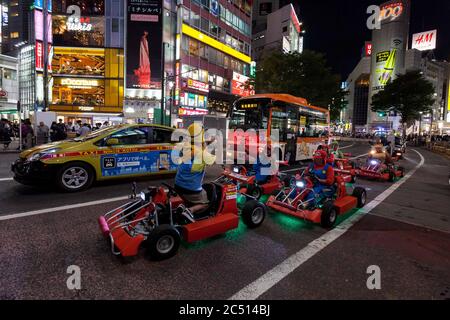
{"x":79,"y":62}
{"x":78,"y":91}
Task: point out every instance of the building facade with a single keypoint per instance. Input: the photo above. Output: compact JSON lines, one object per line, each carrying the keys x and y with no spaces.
{"x":358,"y":83}
{"x":152,"y":61}
{"x":213,"y":56}
{"x":437,"y":72}
{"x":9,"y":93}
{"x":389,"y":45}
{"x":279,"y":30}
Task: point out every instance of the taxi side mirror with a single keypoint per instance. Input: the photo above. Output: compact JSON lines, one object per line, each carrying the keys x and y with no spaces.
{"x":112,"y":142}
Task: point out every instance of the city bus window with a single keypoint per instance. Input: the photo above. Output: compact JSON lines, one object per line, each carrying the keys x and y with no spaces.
{"x":279,"y":121}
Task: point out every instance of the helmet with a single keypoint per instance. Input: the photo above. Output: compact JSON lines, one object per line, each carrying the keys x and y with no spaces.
{"x":320,"y":154}
{"x":320,"y":158}
{"x":195,"y":130}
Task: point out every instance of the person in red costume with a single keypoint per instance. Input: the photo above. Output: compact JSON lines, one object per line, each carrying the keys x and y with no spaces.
{"x":324,"y":174}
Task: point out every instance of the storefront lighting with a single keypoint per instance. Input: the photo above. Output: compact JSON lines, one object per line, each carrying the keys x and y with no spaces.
{"x":79,"y":83}
{"x":214,"y":43}
{"x":129,"y":110}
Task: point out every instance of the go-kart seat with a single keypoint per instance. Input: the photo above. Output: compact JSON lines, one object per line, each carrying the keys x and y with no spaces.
{"x":211,"y":192}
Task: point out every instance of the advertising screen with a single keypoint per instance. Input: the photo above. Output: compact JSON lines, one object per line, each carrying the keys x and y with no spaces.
{"x":85,"y":32}
{"x":238,"y":86}
{"x":39,"y":26}
{"x":143,"y":44}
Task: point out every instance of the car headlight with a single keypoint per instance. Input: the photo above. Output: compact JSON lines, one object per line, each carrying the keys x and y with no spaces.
{"x":300,"y":184}
{"x":43,"y":154}
{"x":374,"y":162}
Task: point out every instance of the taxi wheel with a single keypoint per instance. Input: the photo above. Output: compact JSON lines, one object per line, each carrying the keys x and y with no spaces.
{"x":74,"y":177}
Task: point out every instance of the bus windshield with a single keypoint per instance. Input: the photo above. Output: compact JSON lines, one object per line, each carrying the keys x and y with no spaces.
{"x":253,"y":115}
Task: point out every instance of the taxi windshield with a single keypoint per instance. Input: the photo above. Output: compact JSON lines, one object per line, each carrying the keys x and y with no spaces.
{"x":96,"y":134}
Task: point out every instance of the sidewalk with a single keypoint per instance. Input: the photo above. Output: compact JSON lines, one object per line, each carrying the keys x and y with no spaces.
{"x":12,"y":148}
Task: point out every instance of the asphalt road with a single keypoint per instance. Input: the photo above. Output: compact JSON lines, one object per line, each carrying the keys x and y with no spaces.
{"x":407,"y":235}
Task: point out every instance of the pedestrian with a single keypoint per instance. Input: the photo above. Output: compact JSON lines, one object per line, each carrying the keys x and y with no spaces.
{"x":27,"y":134}
{"x":57,"y":133}
{"x":84,"y":130}
{"x":42,"y":133}
{"x":5,"y":134}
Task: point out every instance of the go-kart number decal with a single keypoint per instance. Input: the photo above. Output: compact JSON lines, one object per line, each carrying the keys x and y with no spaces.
{"x":136,"y":163}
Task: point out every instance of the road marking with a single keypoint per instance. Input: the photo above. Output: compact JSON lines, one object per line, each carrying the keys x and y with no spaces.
{"x":360,"y":156}
{"x":6,"y":179}
{"x":346,"y":147}
{"x":278,"y":273}
{"x":406,"y":221}
{"x":292,"y":170}
{"x":62,"y":208}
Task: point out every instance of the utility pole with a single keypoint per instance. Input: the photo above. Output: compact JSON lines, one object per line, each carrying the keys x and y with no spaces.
{"x":163,"y":82}
{"x":45,"y":54}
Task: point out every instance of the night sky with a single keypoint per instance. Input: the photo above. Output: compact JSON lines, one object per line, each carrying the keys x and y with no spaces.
{"x":338,"y":28}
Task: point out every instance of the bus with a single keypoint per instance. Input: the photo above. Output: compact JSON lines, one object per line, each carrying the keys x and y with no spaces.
{"x":302,"y":127}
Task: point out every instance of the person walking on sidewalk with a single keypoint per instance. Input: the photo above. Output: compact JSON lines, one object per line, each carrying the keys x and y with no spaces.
{"x":42,"y":133}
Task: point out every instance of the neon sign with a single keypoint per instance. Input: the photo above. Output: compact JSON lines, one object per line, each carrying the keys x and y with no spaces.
{"x":391,"y":11}
{"x":79,"y":24}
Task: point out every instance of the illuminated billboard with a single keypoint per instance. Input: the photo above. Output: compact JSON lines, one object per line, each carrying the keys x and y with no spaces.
{"x":388,"y":47}
{"x":238,"y":86}
{"x":39,"y":26}
{"x":143,"y":44}
{"x":425,"y":40}
{"x":84,"y":32}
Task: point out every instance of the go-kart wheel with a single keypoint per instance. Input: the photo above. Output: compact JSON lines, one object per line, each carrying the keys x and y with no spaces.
{"x":391,"y":176}
{"x":75,"y":176}
{"x":163,"y":242}
{"x":360,"y":194}
{"x":329,"y":215}
{"x":253,"y":214}
{"x":255,"y":191}
{"x":402,"y":171}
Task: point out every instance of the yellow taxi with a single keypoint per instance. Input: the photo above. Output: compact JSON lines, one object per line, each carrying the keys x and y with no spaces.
{"x":122,"y":151}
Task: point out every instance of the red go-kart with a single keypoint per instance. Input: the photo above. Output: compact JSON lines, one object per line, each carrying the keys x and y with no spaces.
{"x":247,"y":182}
{"x":318,"y":210}
{"x":155,"y":220}
{"x":375,"y":169}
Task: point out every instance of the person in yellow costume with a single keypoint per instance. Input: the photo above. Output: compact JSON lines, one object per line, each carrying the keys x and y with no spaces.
{"x":191,"y":172}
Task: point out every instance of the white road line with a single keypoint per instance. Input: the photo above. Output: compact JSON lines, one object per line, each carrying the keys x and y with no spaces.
{"x":6,"y":179}
{"x":360,"y":156}
{"x":278,"y":273}
{"x":346,"y":147}
{"x":62,"y":208}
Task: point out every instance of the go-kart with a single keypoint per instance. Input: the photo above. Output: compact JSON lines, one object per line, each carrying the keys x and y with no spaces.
{"x":398,"y":152}
{"x":155,"y":219}
{"x":320,"y":209}
{"x":375,"y":169}
{"x":246,"y":181}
